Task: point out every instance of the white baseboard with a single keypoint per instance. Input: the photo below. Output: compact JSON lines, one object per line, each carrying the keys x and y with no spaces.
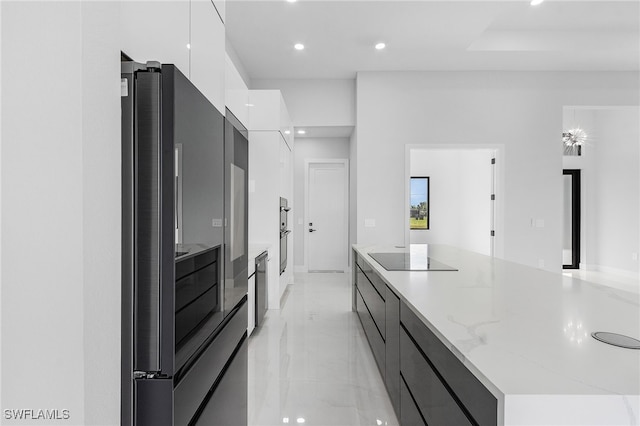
{"x":304,"y":269}
{"x":284,"y":296}
{"x":608,"y":270}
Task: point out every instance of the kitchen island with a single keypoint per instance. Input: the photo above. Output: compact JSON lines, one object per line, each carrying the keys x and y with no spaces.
{"x":495,"y":342}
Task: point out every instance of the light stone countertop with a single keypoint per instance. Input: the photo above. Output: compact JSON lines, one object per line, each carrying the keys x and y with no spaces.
{"x":526,"y":334}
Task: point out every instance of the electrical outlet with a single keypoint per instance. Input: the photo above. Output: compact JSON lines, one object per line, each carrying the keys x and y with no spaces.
{"x":540,"y":263}
{"x":216,"y":223}
{"x":369,"y":223}
{"x":539,"y":223}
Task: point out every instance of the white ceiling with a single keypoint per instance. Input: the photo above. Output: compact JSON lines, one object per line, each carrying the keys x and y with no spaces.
{"x":339,"y":36}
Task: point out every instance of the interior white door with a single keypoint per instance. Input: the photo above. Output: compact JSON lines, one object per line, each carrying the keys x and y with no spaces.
{"x":327,"y":217}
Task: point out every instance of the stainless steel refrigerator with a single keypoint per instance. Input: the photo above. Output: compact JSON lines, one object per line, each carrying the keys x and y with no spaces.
{"x":184,"y":358}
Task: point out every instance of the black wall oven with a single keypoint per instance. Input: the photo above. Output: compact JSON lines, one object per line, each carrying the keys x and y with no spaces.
{"x":284,"y":233}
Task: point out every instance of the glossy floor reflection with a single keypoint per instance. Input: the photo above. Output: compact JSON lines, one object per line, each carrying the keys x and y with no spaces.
{"x":310,"y":362}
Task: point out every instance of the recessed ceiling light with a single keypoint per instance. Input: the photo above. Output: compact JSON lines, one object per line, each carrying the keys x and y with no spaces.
{"x":299,"y":46}
{"x":292,"y":1}
{"x":188,"y":45}
{"x":287,"y":132}
{"x":301,"y":132}
{"x":536,"y":2}
{"x":380,"y":46}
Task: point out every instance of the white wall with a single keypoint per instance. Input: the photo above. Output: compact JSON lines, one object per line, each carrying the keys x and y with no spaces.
{"x":520,"y":110}
{"x":264,"y":214}
{"x":101,"y":160}
{"x":610,"y":186}
{"x":307,"y":149}
{"x":459,"y":197}
{"x":60,"y":205}
{"x":618,"y":214}
{"x":353,"y":191}
{"x":313,"y":102}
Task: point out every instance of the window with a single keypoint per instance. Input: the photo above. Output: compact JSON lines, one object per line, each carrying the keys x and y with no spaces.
{"x":419,"y":203}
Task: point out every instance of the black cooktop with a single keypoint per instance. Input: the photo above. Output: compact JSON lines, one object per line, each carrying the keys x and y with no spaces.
{"x":409,"y":262}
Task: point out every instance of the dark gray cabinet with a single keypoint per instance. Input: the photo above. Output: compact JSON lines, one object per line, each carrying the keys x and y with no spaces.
{"x":426,"y":382}
{"x":437,"y":405}
{"x":371,"y":331}
{"x":475,"y":400}
{"x":392,"y":348}
{"x":379,"y":311}
{"x":374,"y":301}
{"x":409,"y":413}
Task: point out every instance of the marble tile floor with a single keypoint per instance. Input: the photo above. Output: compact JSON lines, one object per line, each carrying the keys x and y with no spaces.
{"x":310,"y":363}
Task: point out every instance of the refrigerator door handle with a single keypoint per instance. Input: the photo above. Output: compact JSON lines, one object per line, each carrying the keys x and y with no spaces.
{"x":148,"y":198}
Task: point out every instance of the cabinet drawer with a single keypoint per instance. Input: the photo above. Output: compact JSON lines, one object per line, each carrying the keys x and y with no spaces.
{"x":373,"y":277}
{"x":409,"y":413}
{"x":432,"y":398}
{"x":477,"y":399}
{"x":370,"y":330}
{"x":189,"y":318}
{"x":374,"y":301}
{"x":189,"y":265}
{"x":194,"y":285}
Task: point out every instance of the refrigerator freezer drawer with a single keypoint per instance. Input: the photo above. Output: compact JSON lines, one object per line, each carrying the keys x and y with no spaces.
{"x":227,"y":404}
{"x":196,"y":384}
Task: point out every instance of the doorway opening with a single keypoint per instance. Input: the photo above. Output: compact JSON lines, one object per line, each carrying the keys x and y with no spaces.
{"x":464,"y":199}
{"x":571,"y":219}
{"x":326,"y":223}
{"x":609,"y":165}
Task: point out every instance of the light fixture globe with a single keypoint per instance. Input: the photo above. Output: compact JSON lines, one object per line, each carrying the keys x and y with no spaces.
{"x":573,"y":140}
{"x":574,"y":137}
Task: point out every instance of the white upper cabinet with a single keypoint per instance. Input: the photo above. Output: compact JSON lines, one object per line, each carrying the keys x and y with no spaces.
{"x":156,"y":31}
{"x":268,"y":112}
{"x":286,"y":171}
{"x":286,"y":126}
{"x":237,"y":93}
{"x":220,"y":7}
{"x":187,"y":33}
{"x":208,"y":52}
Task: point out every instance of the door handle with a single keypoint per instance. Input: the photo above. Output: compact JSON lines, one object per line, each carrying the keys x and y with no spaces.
{"x":312,"y":230}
